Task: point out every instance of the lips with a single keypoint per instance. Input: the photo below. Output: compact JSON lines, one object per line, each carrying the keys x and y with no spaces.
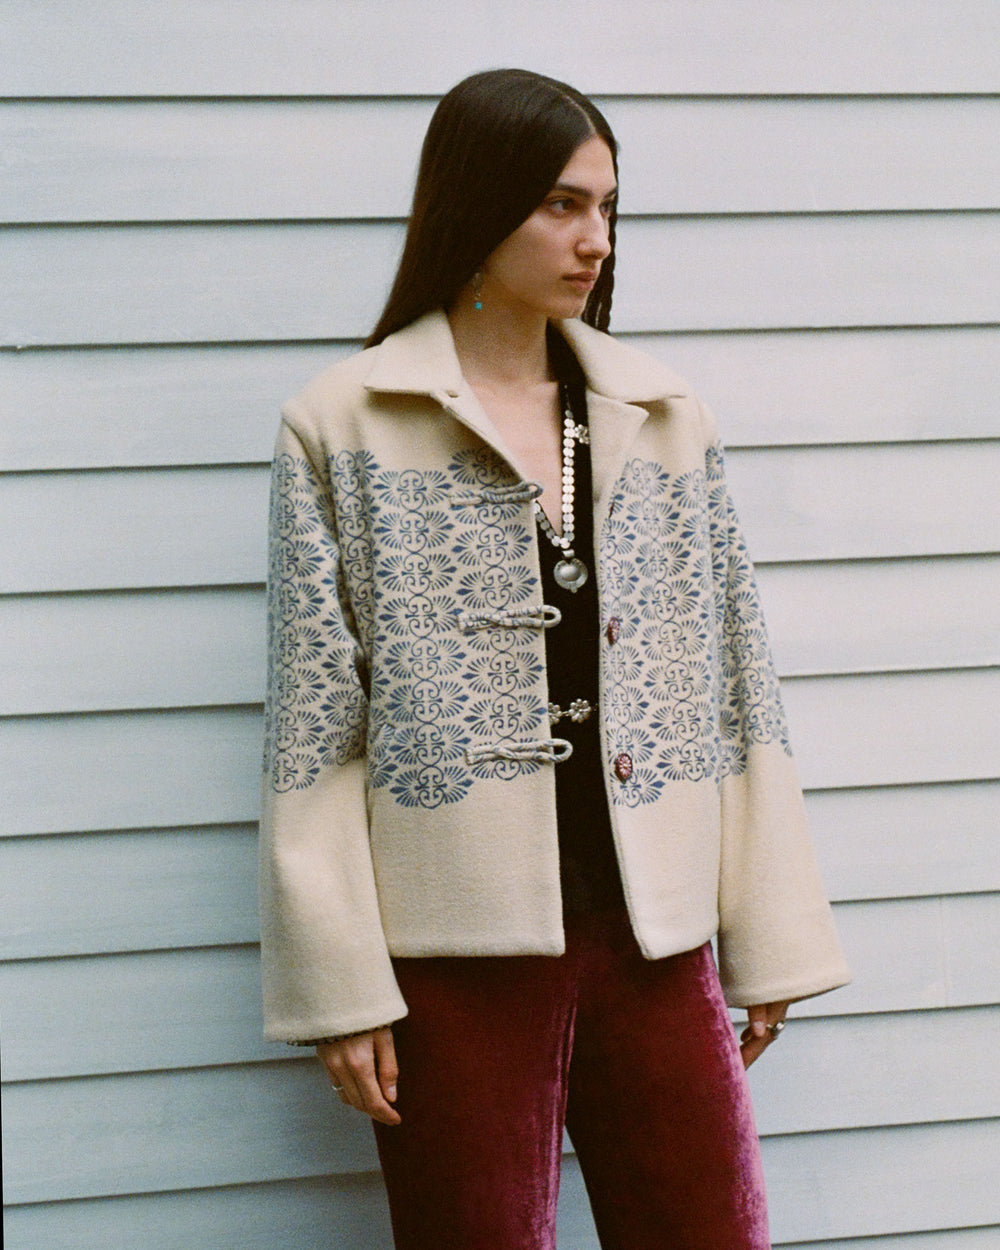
{"x":583,"y":280}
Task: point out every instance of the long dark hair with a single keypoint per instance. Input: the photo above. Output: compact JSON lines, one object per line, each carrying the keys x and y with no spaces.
{"x":495,"y":146}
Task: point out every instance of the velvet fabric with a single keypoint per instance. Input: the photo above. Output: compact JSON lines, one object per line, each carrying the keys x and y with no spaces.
{"x":636,"y":1058}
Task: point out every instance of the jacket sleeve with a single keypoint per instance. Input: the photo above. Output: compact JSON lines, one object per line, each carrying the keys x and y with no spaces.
{"x":776,"y":939}
{"x":326,"y":968}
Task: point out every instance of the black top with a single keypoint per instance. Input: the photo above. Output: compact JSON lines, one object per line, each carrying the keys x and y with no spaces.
{"x":589,"y":871}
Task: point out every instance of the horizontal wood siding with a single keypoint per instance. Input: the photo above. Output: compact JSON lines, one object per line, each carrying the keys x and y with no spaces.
{"x":141,"y":406}
{"x":197,"y":1006}
{"x":196,"y":526}
{"x":68,"y":285}
{"x":402,"y":47}
{"x":80,"y":772}
{"x":198,"y":884}
{"x":193,"y":225}
{"x":199,"y":646}
{"x":226,"y":1123}
{"x":349,"y":1210}
{"x":198,"y":160}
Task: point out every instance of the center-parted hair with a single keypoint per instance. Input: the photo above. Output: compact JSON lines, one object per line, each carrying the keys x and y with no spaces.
{"x":496,"y":145}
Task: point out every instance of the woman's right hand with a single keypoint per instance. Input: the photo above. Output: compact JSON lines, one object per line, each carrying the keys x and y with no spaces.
{"x":362,"y":1069}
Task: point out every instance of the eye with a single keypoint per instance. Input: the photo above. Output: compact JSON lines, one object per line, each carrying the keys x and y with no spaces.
{"x":563,"y":205}
{"x":608,"y":207}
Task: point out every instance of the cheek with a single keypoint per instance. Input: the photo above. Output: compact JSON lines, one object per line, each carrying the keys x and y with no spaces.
{"x":527,"y":261}
{"x":531,"y":246}
{"x":546,"y":254}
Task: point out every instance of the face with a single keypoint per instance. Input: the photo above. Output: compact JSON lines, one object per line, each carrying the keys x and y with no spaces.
{"x":549,"y":265}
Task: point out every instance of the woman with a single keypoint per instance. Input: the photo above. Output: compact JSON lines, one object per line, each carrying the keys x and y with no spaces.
{"x":525,"y":749}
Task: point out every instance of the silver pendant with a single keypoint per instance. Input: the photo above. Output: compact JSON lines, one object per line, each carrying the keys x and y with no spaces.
{"x":571,"y":574}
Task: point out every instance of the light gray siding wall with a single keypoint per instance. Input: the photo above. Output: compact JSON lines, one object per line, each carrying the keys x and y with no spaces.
{"x":193,"y":224}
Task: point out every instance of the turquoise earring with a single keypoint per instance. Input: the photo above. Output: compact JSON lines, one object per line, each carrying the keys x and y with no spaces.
{"x":477,"y":291}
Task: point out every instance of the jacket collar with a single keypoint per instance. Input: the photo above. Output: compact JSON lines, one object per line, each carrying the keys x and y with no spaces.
{"x":420,"y":359}
{"x":622,"y":384}
{"x":617,"y":371}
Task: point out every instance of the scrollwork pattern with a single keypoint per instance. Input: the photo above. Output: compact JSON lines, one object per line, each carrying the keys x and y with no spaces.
{"x":316,"y":710}
{"x":373,"y":575}
{"x":418,"y":551}
{"x":690,"y":683}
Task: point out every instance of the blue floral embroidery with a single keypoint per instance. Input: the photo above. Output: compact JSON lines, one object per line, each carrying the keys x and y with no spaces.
{"x":410,"y":566}
{"x":690,"y":683}
{"x":316,"y":710}
{"x":373,"y":575}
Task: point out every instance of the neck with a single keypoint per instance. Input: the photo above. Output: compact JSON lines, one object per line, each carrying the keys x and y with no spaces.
{"x":495,"y":346}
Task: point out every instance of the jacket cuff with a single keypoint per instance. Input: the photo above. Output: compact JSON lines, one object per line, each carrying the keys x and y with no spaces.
{"x":340,"y":1037}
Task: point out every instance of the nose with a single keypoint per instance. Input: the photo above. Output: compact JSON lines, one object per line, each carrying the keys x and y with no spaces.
{"x":593,"y":240}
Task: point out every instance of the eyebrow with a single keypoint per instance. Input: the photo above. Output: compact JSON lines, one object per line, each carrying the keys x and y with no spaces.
{"x":583,"y":192}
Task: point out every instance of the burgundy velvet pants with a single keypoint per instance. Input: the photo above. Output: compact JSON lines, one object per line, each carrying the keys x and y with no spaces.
{"x":637,"y":1058}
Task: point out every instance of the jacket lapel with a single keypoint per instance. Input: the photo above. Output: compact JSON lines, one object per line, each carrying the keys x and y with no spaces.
{"x":621,"y":385}
{"x":465,"y":407}
{"x":614,"y":427}
{"x":420,"y":359}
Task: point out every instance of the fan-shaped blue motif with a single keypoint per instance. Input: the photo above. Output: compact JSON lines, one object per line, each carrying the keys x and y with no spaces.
{"x":372,"y":578}
{"x":406,"y":553}
{"x":695,"y":686}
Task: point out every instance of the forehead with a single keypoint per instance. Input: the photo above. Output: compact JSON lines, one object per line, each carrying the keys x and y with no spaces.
{"x":590,"y":169}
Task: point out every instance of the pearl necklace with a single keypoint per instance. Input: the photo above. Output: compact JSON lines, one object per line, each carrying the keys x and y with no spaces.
{"x":570,"y":572}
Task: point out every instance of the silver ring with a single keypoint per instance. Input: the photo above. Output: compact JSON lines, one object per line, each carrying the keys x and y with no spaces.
{"x":775,"y":1029}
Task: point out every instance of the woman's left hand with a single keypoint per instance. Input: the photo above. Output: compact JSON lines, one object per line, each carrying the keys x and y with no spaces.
{"x":760,"y":1031}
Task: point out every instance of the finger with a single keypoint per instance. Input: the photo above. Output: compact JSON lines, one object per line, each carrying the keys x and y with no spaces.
{"x":765,"y":1020}
{"x":330,"y":1059}
{"x":765,"y":1023}
{"x":352,"y":1063}
{"x":333,"y":1057}
{"x":352,"y":1092}
{"x":385,"y":1063}
{"x":350,"y":1088}
{"x":370,"y":1097}
{"x":752,"y":1048}
{"x":776,"y":1013}
{"x":757,"y":1020}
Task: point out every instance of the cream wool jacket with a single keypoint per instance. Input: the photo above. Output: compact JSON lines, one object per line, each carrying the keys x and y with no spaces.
{"x":409,"y":793}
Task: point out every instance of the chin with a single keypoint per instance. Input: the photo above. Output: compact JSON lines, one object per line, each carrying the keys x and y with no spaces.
{"x":561,"y":306}
{"x":564,"y":309}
